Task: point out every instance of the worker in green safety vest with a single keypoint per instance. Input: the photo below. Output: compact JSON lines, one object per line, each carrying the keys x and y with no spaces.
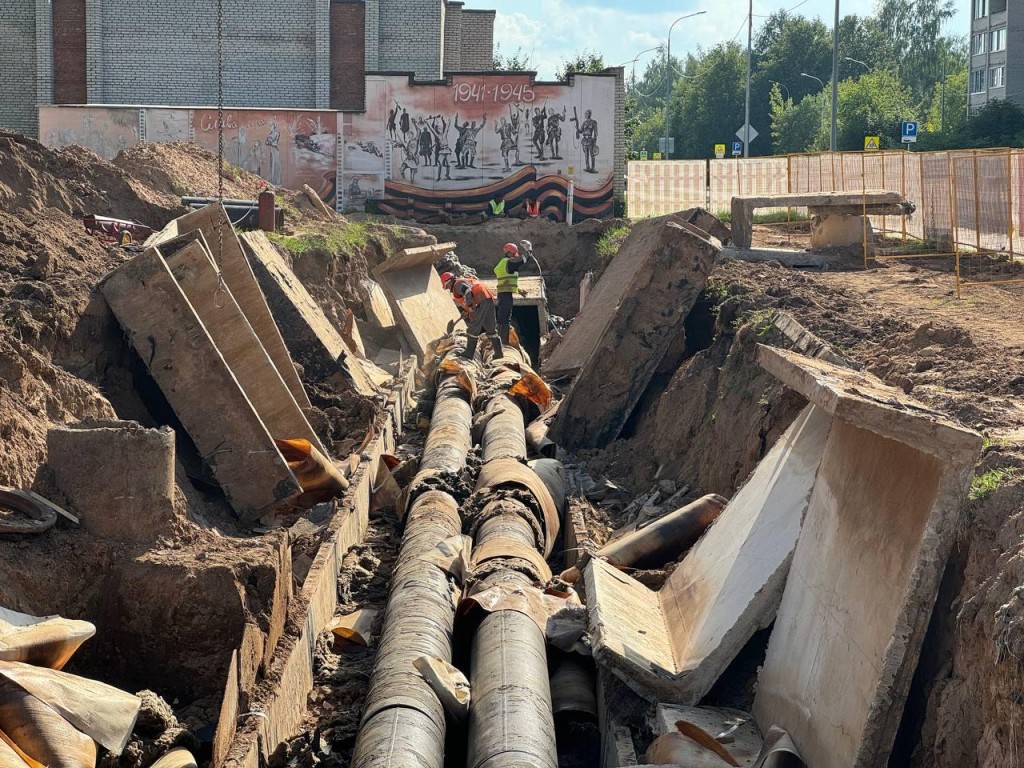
{"x":497,"y":207}
{"x":507,"y":272}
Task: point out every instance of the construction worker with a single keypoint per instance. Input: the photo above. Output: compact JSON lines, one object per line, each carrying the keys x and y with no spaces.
{"x":476,"y":307}
{"x":507,"y":272}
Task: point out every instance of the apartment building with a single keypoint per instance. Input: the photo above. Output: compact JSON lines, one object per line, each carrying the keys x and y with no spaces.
{"x":997,"y":52}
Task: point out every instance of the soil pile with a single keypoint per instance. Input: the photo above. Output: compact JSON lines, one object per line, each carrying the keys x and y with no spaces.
{"x":182,"y":169}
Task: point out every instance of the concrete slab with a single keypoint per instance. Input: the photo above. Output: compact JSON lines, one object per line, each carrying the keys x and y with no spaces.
{"x":650,"y":314}
{"x":311,"y":339}
{"x":118,"y":476}
{"x":215,"y":305}
{"x":180,"y":354}
{"x":420,"y":304}
{"x":226,"y":250}
{"x":672,"y":645}
{"x":586,"y":330}
{"x":742,"y":220}
{"x":866,"y":569}
{"x":376,"y":305}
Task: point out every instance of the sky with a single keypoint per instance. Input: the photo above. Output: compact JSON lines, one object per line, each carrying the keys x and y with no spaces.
{"x":620,"y":29}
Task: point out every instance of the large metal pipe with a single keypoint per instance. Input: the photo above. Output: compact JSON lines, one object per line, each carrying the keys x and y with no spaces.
{"x":510,"y":719}
{"x":403,"y":722}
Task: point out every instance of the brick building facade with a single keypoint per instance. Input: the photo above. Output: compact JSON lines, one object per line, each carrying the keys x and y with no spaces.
{"x":287,"y":53}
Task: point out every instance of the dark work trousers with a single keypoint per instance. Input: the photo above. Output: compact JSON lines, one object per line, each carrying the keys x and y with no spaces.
{"x":482,"y":321}
{"x":504,"y":315}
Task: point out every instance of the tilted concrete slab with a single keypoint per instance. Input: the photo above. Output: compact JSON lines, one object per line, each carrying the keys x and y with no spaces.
{"x":672,"y":645}
{"x":659,"y":295}
{"x":743,"y":207}
{"x":866,"y":568}
{"x":309,"y":335}
{"x":226,"y":250}
{"x":587,"y":328}
{"x":176,"y":347}
{"x":420,"y":304}
{"x":211,"y":299}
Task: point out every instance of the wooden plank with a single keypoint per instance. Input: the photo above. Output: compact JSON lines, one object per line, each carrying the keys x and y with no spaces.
{"x":172,"y":341}
{"x":214,"y":303}
{"x":227,"y":253}
{"x":227,"y":720}
{"x":420,"y":304}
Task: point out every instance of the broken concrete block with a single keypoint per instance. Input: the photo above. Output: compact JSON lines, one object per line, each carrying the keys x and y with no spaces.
{"x":214,"y":303}
{"x":308,"y":334}
{"x":419,"y":302}
{"x":226,"y":250}
{"x":118,"y":476}
{"x":672,"y":645}
{"x":661,"y":290}
{"x":867,"y":566}
{"x":172,"y":341}
{"x":586,"y":330}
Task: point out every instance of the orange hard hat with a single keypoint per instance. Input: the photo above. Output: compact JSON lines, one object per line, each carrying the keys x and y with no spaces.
{"x":510,"y":248}
{"x":446,"y":278}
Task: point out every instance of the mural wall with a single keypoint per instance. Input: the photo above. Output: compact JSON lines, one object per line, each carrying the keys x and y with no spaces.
{"x":458,"y":145}
{"x":418,"y":149}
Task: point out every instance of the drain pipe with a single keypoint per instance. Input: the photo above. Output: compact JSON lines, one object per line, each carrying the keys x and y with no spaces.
{"x":403,"y":722}
{"x":510,"y":718}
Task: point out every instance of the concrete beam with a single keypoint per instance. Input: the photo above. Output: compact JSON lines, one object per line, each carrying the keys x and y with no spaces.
{"x":867,"y":566}
{"x":176,"y":347}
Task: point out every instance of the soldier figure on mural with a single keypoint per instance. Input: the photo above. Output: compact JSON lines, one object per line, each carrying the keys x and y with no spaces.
{"x":508,"y":143}
{"x":404,"y":124}
{"x":426,"y":142}
{"x":392,"y":114}
{"x":470,"y":143}
{"x":514,"y":120}
{"x":273,"y":140}
{"x":460,"y":143}
{"x":410,"y":160}
{"x":256,"y":157}
{"x":539,"y":117}
{"x":555,"y":121}
{"x":442,"y":150}
{"x":587,"y":133}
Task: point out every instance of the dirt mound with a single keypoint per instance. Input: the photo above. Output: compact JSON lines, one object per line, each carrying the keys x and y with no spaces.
{"x":182,"y":169}
{"x":75,"y":181}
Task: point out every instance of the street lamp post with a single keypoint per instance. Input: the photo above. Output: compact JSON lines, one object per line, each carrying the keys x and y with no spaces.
{"x":634,"y":60}
{"x":822,"y":84}
{"x":857,"y":61}
{"x":835,"y":79}
{"x":781,"y":85}
{"x":668,"y":65}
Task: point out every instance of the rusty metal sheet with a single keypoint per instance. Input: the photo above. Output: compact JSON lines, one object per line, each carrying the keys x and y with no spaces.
{"x":500,"y":548}
{"x":510,"y":473}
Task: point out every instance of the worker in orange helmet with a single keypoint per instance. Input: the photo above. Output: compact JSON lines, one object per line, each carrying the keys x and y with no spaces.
{"x":507,"y":272}
{"x":476,"y":307}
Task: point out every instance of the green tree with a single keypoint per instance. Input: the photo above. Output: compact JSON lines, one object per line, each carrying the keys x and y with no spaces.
{"x":1000,"y":123}
{"x":707,"y":107}
{"x":520,"y":61}
{"x":799,"y":126}
{"x":872,"y":105}
{"x":945,"y":125}
{"x":914,"y":29}
{"x":581,"y":61}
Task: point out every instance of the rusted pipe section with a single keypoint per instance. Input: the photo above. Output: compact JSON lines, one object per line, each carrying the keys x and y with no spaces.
{"x":510,"y":718}
{"x":403,"y":722}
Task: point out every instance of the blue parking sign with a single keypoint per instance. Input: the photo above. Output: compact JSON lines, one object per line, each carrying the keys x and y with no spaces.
{"x":737,"y":148}
{"x":909,"y":131}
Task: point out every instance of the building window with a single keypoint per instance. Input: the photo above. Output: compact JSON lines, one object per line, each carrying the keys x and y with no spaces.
{"x":997,"y":77}
{"x":978,"y":44}
{"x":997,"y":6}
{"x":978,"y":81}
{"x":998,"y":40}
{"x":980,"y":9}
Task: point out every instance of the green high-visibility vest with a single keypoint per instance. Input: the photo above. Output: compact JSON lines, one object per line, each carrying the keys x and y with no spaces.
{"x":497,"y":207}
{"x":508,"y":282}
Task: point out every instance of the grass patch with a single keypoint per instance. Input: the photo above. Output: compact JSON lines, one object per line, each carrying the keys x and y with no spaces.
{"x":610,"y":242}
{"x":983,"y":485}
{"x":761,"y":321}
{"x":773,"y":217}
{"x":346,"y":238}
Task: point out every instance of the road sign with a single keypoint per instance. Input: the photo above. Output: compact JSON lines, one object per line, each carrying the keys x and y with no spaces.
{"x":671,"y":144}
{"x":719,"y":151}
{"x":753,"y":134}
{"x":657,"y":155}
{"x":909,"y":132}
{"x":643,"y":154}
{"x":872,"y":143}
{"x":737,"y":148}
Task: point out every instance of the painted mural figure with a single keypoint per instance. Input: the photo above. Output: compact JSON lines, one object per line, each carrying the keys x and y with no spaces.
{"x":426,"y":142}
{"x":508,"y":143}
{"x":410,"y":161}
{"x":514,"y":122}
{"x":255,"y":157}
{"x":587,"y":133}
{"x":460,"y":143}
{"x":555,"y":120}
{"x":273,"y":141}
{"x":405,"y":123}
{"x":539,"y":116}
{"x":471,"y":136}
{"x":442,"y":150}
{"x":392,"y":114}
